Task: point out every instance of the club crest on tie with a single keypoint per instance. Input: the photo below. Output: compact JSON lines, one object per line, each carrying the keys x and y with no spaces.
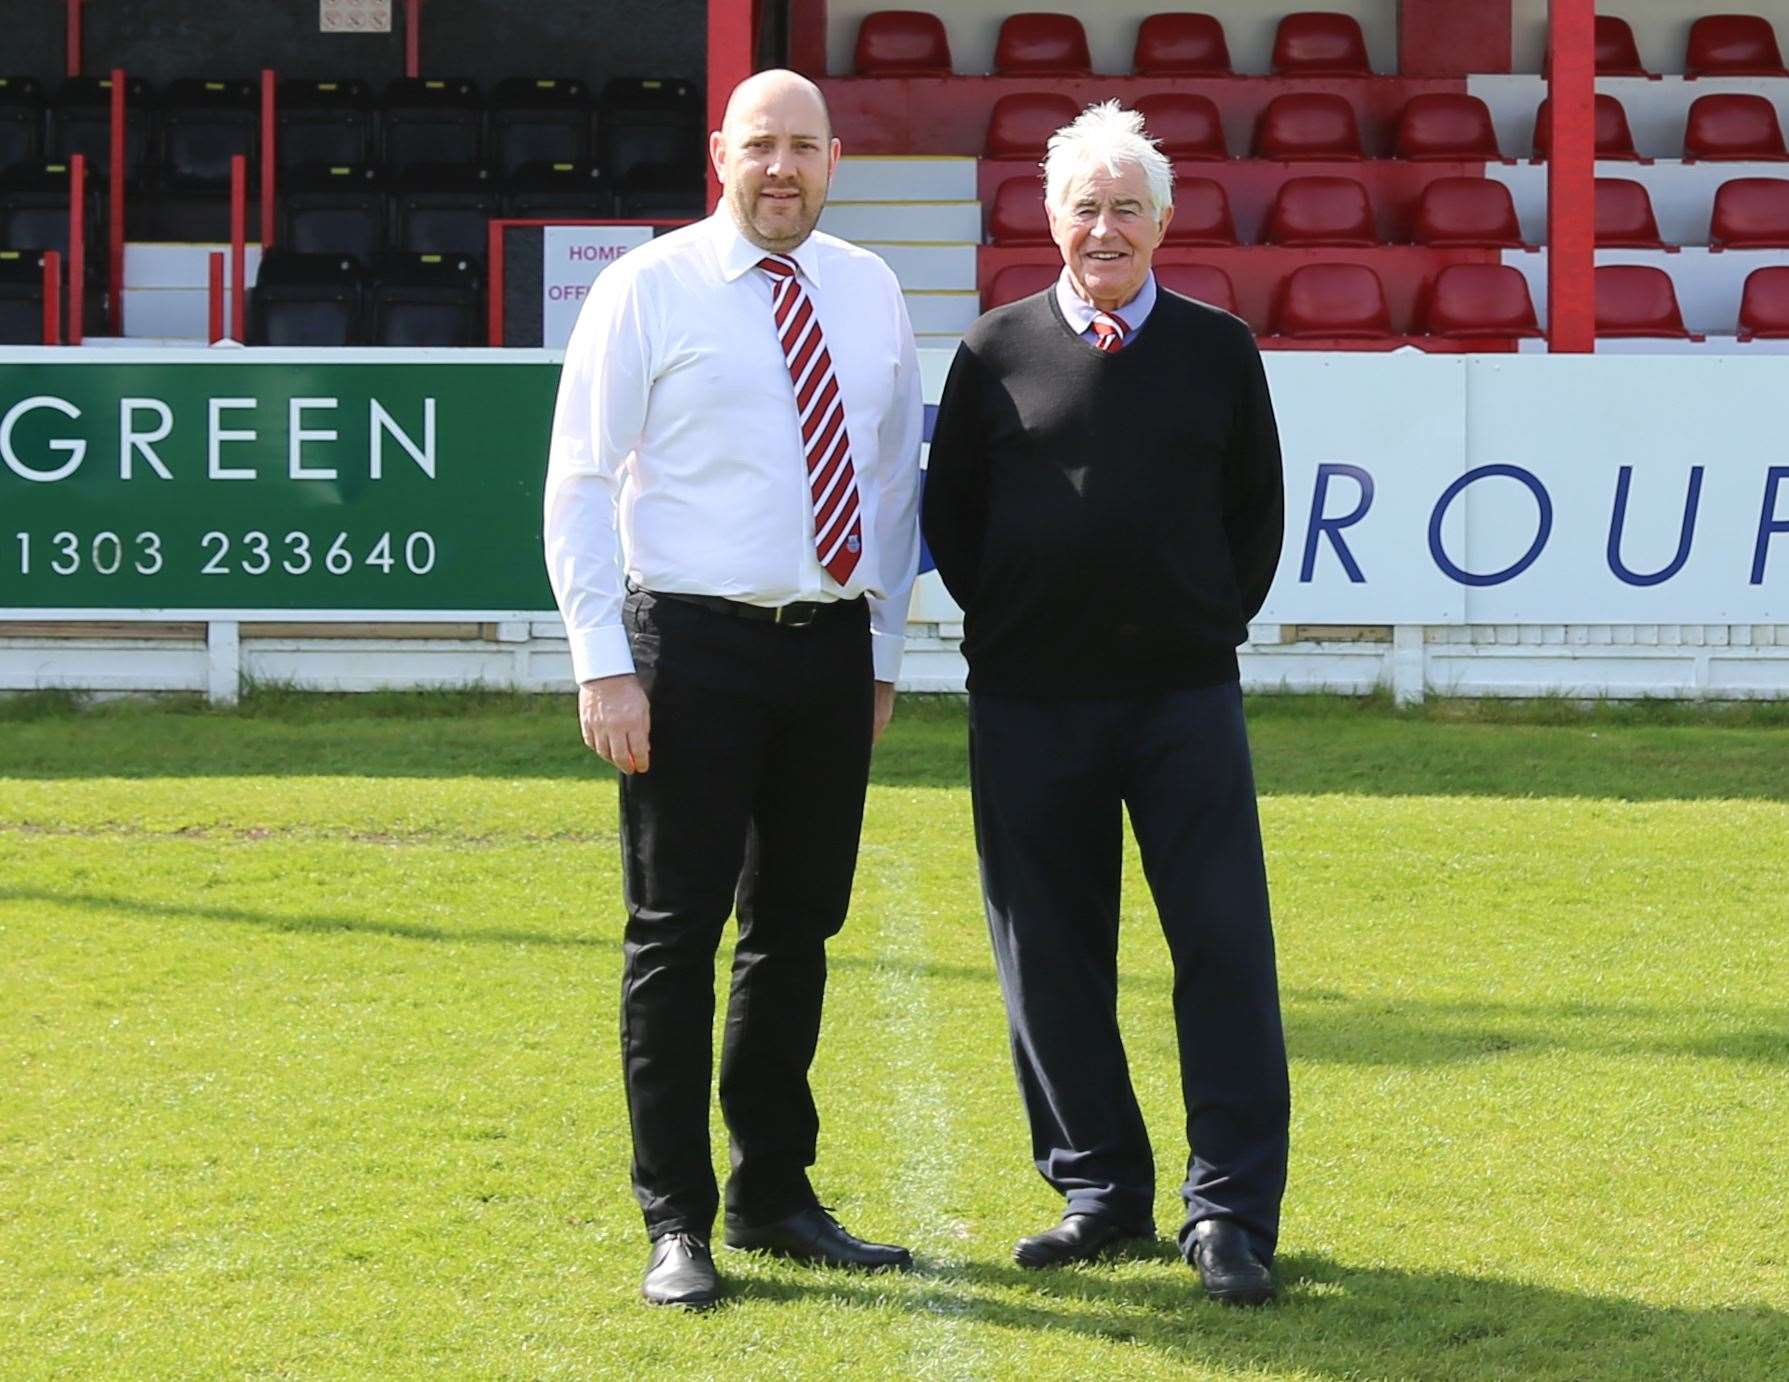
{"x":853,"y":543}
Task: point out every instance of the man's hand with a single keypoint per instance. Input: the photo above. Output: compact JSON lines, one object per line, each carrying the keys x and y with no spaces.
{"x":617,"y":721}
{"x":885,"y":694}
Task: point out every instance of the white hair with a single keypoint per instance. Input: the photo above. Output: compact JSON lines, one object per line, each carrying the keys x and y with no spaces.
{"x":1106,"y":136}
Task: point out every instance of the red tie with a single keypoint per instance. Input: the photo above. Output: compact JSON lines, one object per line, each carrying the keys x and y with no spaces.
{"x":832,"y":482}
{"x":1108,"y":331}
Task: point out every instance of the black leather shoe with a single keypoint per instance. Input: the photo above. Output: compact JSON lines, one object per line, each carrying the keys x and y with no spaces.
{"x":1228,"y":1266}
{"x":1078,"y":1238}
{"x":813,"y":1235}
{"x":681,"y":1272}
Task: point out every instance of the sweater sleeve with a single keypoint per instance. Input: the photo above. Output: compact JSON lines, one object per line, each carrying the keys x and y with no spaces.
{"x":1254,"y":488}
{"x":954,"y":514}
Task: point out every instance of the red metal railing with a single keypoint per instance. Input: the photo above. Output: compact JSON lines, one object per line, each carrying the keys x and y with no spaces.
{"x":412,"y":38}
{"x":1571,"y":178}
{"x":267,"y":155}
{"x":115,"y":206}
{"x":77,"y":246}
{"x":72,"y":37}
{"x":238,"y":247}
{"x":215,"y":300}
{"x":52,"y":297}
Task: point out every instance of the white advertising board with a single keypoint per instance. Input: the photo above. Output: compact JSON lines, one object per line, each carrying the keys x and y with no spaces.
{"x":1504,"y":489}
{"x":571,"y":258}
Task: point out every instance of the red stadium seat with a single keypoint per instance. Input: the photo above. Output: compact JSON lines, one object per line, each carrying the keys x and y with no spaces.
{"x":1637,"y":300}
{"x":1320,"y":45}
{"x":1764,"y":305}
{"x":1467,"y":213}
{"x":1321,"y":211}
{"x":1181,"y":45}
{"x":1750,"y":213}
{"x":1023,"y":122}
{"x":1731,"y":128}
{"x":1308,"y":125}
{"x":1188,"y":126}
{"x":1447,"y":125}
{"x":1624,"y":218}
{"x":1468,"y":300}
{"x":1035,"y":45}
{"x":902,"y":43}
{"x":1017,"y":281}
{"x":1617,"y":55}
{"x":1345,"y":301}
{"x":1733,"y":45}
{"x":1017,"y":216}
{"x":1201,"y":214}
{"x":1614,"y":138}
{"x":1200,"y":282}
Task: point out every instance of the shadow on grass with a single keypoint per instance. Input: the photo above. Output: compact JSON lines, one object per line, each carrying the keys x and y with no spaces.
{"x":1333,"y":1320}
{"x":314,"y":923}
{"x":1303,"y":745}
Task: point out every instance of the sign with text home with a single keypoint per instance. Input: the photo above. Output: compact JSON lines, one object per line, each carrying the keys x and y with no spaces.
{"x":312,"y":486}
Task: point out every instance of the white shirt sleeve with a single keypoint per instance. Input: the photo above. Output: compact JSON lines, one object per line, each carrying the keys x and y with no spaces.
{"x":597,"y":421}
{"x":897,"y":507}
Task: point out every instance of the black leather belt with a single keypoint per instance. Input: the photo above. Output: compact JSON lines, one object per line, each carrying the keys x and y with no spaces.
{"x":795,"y":615}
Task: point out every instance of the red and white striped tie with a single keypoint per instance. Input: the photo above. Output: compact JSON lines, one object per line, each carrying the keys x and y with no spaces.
{"x":832,"y":480}
{"x":1108,"y":331}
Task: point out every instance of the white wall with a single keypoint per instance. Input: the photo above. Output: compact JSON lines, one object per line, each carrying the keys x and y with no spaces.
{"x":1112,"y":28}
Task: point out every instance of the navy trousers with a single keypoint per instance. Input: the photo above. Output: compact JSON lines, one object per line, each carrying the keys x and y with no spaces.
{"x":1051,"y":780}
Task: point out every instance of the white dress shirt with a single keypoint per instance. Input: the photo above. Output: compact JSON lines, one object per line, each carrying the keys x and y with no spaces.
{"x":1079,"y":313}
{"x":677,"y":462}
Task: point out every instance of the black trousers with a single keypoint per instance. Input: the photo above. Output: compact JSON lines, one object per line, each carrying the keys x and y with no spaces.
{"x":760,"y":741}
{"x":1051,"y":778}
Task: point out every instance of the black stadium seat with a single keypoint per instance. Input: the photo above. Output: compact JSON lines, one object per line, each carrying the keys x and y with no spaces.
{"x":660,"y":191}
{"x":81,"y":123}
{"x":539,"y":120}
{"x":34,"y":210}
{"x":571,"y":191}
{"x":305,"y":300}
{"x":21,"y":297}
{"x":21,"y":122}
{"x":424,"y":300}
{"x":338,"y":209}
{"x":429,"y":121}
{"x":444,"y":210}
{"x":323,"y":123}
{"x":204,"y":124}
{"x":648,"y":120}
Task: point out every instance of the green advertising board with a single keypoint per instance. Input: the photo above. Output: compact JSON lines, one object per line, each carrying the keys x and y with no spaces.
{"x":289,"y":482}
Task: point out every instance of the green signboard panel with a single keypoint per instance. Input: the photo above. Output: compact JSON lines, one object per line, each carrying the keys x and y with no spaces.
{"x":313,"y":485}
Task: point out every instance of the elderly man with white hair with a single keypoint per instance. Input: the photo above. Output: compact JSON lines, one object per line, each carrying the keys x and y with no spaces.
{"x":1104,"y":499}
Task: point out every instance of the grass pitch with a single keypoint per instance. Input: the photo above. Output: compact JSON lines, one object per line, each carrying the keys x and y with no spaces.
{"x":308,"y":1021}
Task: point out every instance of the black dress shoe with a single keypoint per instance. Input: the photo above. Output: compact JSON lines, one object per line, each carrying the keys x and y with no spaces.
{"x":1078,"y":1238}
{"x":1228,"y":1266}
{"x":813,"y":1235}
{"x":681,"y":1272}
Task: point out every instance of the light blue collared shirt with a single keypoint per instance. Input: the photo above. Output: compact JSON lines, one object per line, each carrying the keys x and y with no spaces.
{"x":1079,"y":313}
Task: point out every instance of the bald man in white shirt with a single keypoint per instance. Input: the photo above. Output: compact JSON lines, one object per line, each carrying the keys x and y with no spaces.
{"x":731,"y":532}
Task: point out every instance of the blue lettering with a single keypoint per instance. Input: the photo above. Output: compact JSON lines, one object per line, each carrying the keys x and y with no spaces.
{"x":1542,"y":500}
{"x":1321,"y":526}
{"x":1768,"y":522}
{"x":1619,"y":520}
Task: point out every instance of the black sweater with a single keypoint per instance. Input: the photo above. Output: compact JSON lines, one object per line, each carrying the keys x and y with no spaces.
{"x":1109,"y":522}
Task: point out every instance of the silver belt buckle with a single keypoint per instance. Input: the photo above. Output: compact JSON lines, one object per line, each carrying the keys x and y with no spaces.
{"x":784,"y":616}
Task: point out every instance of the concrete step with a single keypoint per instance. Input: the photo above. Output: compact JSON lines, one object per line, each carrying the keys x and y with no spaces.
{"x":950,"y":313}
{"x":928,"y":268}
{"x":908,"y":222}
{"x":902,"y":179}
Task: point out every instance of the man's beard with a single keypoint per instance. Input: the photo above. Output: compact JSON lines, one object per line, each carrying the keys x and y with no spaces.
{"x":744,"y":213}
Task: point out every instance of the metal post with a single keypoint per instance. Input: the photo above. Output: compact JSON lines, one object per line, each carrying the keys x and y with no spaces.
{"x":267,"y":157}
{"x":52,"y":297}
{"x":77,"y":246}
{"x":115,"y":198}
{"x":1571,"y":178}
{"x":238,"y":252}
{"x":215,"y":301}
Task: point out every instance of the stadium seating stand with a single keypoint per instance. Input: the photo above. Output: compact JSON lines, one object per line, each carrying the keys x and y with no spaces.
{"x":1041,"y":45}
{"x":1637,"y":300}
{"x":1764,"y":305}
{"x":1733,"y":45}
{"x":902,"y":43}
{"x":1320,"y":44}
{"x":1750,"y":213}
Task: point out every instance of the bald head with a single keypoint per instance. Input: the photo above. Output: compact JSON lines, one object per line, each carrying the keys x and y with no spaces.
{"x":783,"y":90}
{"x":774,"y":155}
